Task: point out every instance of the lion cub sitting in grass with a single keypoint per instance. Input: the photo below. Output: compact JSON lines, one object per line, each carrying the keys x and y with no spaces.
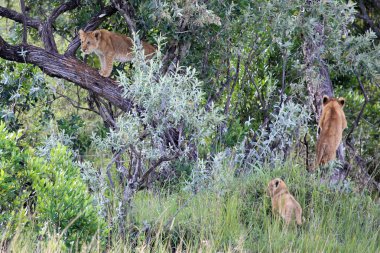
{"x":110,"y":47}
{"x":283,"y":202}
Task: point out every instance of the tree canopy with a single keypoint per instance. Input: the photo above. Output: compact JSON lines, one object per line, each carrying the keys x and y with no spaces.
{"x":233,"y":91}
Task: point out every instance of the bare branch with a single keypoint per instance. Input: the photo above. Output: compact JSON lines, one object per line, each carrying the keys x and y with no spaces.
{"x":76,"y":104}
{"x":365,"y":17}
{"x":104,"y":112}
{"x":284,"y":60}
{"x":46,"y":30}
{"x":62,"y":9}
{"x":356,"y":122}
{"x":219,"y":93}
{"x":155,"y":165}
{"x":227,"y":105}
{"x":108,"y":168}
{"x":363,"y":176}
{"x":18,"y":17}
{"x":25,"y":31}
{"x":126,"y":9}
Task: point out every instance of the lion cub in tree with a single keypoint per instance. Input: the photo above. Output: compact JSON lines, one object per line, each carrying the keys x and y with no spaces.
{"x":110,"y":47}
{"x":283,"y":202}
{"x":331,"y":125}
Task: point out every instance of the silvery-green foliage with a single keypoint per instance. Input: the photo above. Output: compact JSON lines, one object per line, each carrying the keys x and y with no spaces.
{"x":164,"y":102}
{"x":358,"y":53}
{"x":214,"y":175}
{"x":96,"y":182}
{"x":184,"y":13}
{"x":52,"y":141}
{"x":275,"y":144}
{"x":347,"y":52}
{"x":200,"y":177}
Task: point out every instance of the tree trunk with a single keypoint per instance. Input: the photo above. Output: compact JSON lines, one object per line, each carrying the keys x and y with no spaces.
{"x":317,"y":76}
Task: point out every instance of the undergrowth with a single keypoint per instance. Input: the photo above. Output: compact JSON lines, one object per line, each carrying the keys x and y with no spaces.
{"x":237,"y":217}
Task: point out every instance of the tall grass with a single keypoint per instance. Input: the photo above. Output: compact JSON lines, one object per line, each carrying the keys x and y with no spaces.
{"x":237,"y":217}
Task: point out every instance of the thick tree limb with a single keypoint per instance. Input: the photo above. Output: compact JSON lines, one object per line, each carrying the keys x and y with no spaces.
{"x":92,"y":24}
{"x":70,"y":5}
{"x":317,"y":72}
{"x":70,"y":69}
{"x":18,"y":17}
{"x":46,"y":29}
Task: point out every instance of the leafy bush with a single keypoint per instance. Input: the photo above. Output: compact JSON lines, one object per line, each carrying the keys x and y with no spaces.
{"x":62,"y":197}
{"x":48,"y":189}
{"x":274,"y":144}
{"x":14,"y":181}
{"x":72,"y":127}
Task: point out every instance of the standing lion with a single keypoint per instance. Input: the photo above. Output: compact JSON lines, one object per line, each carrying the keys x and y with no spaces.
{"x":331,"y":125}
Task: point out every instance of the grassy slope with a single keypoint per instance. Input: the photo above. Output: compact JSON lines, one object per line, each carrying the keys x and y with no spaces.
{"x":234,"y":215}
{"x":237,"y":216}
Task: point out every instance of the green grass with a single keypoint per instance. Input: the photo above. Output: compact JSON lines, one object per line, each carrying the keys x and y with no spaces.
{"x":234,"y":215}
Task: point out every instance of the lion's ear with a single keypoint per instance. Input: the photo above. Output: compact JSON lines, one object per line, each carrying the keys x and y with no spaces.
{"x":341,"y":101}
{"x":325,"y":99}
{"x":97,"y":34}
{"x":81,"y":33}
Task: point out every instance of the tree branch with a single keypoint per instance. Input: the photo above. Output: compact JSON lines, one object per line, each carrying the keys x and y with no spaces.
{"x":62,"y":9}
{"x":25,"y":31}
{"x":365,"y":17}
{"x":76,"y":104}
{"x":46,"y":29}
{"x":284,"y":60}
{"x":70,"y":69}
{"x":155,"y":165}
{"x":126,"y":9}
{"x":18,"y":17}
{"x":108,"y":168}
{"x":237,"y":71}
{"x":356,"y":122}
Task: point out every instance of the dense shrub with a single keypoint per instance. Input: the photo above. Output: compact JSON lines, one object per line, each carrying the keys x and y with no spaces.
{"x":48,"y":191}
{"x":63,"y":201}
{"x":14,"y":181}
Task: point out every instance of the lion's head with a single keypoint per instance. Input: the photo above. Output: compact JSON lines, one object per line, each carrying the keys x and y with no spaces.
{"x":89,"y":41}
{"x":275,"y":186}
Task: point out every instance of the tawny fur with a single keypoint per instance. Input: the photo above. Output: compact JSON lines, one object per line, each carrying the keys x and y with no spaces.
{"x":283,"y":202}
{"x":331,"y":126}
{"x":110,"y":47}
